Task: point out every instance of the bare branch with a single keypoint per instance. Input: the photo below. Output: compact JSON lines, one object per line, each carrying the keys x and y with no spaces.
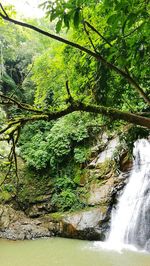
{"x":131,"y":32}
{"x":7,"y":174}
{"x":88,"y":34}
{"x":96,"y":31}
{"x":1,"y":7}
{"x":70,"y":98}
{"x":12,"y":157}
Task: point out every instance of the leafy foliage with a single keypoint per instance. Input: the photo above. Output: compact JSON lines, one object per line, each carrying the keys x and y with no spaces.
{"x":49,"y":91}
{"x":46,"y":144}
{"x":65,"y":195}
{"x":67,"y":12}
{"x":122,"y":37}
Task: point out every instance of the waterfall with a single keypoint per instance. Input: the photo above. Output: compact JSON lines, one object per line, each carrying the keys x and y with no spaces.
{"x":130,"y":222}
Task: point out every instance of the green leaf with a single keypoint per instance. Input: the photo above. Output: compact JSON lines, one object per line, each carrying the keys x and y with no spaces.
{"x":66,"y":20}
{"x":132,"y":19}
{"x":76,"y":18}
{"x":112,"y":19}
{"x":53,"y":15}
{"x":58,"y":25}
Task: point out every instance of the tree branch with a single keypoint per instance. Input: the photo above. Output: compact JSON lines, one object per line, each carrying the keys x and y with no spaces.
{"x":78,"y":106}
{"x":87,"y":33}
{"x":21,"y":106}
{"x":131,"y":32}
{"x":98,"y":56}
{"x":15,"y":157}
{"x":70,"y":98}
{"x":5,"y":13}
{"x":12,"y":157}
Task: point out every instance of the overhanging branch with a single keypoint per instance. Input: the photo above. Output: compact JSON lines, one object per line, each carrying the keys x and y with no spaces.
{"x":77,"y":106}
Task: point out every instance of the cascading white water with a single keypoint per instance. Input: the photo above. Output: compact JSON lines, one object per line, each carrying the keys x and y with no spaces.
{"x":130,"y":223}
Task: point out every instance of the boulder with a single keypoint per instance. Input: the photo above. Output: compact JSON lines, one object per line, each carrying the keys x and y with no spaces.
{"x":90,"y":224}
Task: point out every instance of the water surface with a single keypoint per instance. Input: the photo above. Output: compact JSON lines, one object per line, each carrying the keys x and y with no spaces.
{"x":65,"y":252}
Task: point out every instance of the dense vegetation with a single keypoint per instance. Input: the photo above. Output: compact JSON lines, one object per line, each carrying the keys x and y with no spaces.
{"x":61,"y":95}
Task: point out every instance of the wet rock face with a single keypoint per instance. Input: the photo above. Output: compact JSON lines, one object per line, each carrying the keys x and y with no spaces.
{"x":125,"y":162}
{"x":107,"y":153}
{"x":103,"y":194}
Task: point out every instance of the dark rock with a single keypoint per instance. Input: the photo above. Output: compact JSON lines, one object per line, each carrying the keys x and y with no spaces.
{"x":15,"y":225}
{"x":39,"y":209}
{"x":125,"y":162}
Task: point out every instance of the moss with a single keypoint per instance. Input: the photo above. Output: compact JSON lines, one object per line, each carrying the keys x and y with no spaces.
{"x":7,"y":189}
{"x":57,"y":216}
{"x":33,"y":187}
{"x":80,"y":176}
{"x":103,"y":209}
{"x":106,"y":167}
{"x":5,"y":196}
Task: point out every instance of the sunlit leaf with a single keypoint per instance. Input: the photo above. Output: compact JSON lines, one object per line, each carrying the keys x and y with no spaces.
{"x":58,"y":25}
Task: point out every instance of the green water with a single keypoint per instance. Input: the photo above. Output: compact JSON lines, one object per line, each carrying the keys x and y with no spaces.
{"x":65,"y":252}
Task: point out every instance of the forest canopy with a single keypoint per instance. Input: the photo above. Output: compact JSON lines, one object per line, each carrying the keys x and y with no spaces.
{"x":84,"y":57}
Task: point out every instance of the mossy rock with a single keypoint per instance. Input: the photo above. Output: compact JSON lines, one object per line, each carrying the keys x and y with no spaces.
{"x":106,"y":167}
{"x":55,"y":216}
{"x":33,"y":188}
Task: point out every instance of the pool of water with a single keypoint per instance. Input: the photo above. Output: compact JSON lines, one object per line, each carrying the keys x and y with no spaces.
{"x":66,"y":252}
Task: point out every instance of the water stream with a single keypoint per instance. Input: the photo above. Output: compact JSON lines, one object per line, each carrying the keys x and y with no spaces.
{"x":131,"y":218}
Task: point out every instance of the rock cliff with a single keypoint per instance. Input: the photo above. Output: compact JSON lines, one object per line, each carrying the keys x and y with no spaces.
{"x":35,"y":217}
